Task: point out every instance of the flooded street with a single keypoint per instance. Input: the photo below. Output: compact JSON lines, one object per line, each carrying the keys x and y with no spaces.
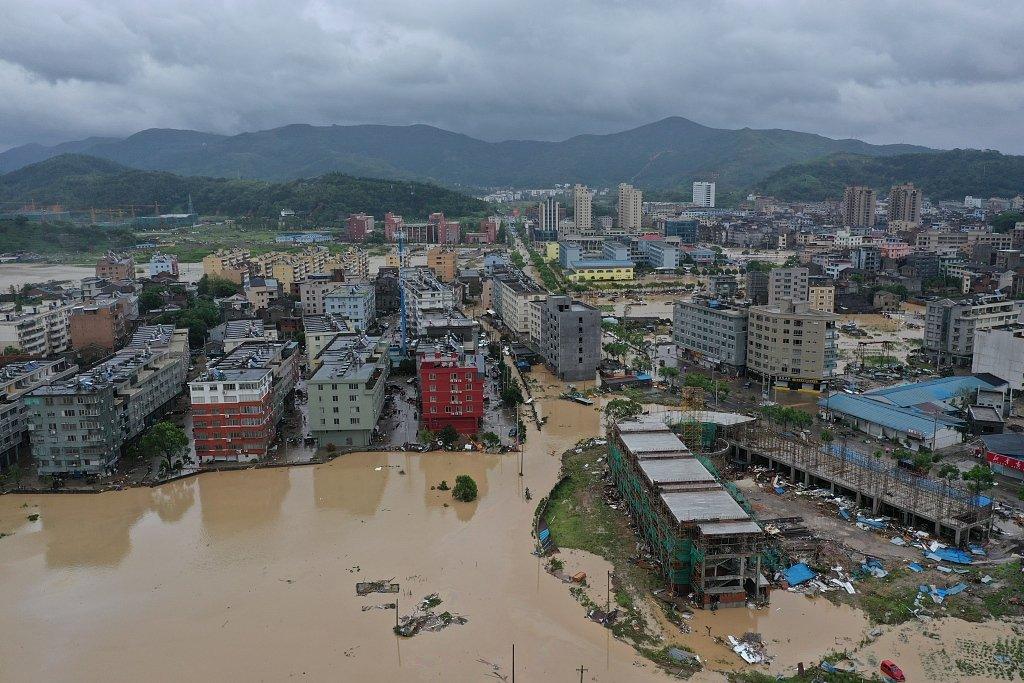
{"x":251,"y":575}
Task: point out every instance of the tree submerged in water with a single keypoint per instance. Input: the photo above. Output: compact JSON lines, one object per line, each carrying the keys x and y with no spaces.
{"x":465,"y":489}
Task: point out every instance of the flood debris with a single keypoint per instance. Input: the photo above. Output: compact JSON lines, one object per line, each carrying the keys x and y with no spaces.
{"x":750,"y":647}
{"x":380,"y":586}
{"x":424,"y":618}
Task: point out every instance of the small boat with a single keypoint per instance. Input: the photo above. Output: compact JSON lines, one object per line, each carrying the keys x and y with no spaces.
{"x":891,"y":671}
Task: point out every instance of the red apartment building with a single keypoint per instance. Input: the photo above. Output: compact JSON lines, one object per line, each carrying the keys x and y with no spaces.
{"x":238,"y":403}
{"x":451,"y":391}
{"x":392,"y":224}
{"x":359,"y":226}
{"x":446,"y":231}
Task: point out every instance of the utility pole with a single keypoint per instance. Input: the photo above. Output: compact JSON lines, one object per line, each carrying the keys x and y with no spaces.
{"x":396,"y":612}
{"x":608,"y":598}
{"x":582,"y":669}
{"x":513,"y":663}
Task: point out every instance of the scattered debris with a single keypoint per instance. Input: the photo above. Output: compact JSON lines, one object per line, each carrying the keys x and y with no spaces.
{"x":750,"y":647}
{"x":381,"y":586}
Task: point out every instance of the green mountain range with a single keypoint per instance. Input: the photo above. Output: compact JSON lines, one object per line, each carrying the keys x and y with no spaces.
{"x":81,"y":182}
{"x":942,"y":175}
{"x":665,"y":155}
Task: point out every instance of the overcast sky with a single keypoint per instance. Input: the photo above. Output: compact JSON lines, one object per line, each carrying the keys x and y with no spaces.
{"x":938,"y":73}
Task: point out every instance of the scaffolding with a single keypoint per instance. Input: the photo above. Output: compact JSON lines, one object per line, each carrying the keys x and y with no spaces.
{"x":700,"y":533}
{"x":874,"y":482}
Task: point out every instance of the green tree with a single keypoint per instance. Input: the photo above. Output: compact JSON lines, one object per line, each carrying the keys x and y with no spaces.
{"x":1004,"y":221}
{"x":827,"y":437}
{"x":979,"y":478}
{"x":949,"y":471}
{"x":511,"y":396}
{"x":170,"y":442}
{"x":217,"y":287}
{"x":623,"y":408}
{"x":151,"y":299}
{"x":490,"y":439}
{"x":465,"y":489}
{"x":449,"y":436}
{"x":427,"y":436}
{"x":671,"y":374}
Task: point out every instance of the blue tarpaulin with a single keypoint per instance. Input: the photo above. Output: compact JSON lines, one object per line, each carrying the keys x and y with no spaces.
{"x":873,"y":523}
{"x":798,"y":573}
{"x":915,"y":567}
{"x":954,"y":555}
{"x":844,"y":513}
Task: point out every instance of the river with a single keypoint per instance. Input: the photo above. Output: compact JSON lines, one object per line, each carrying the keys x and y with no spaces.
{"x":19,"y":274}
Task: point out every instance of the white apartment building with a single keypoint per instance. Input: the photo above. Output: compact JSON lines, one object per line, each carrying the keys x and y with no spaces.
{"x":38,"y":330}
{"x":704,"y":194}
{"x":787,"y":283}
{"x":357,"y":302}
{"x":631,"y":202}
{"x":582,"y":208}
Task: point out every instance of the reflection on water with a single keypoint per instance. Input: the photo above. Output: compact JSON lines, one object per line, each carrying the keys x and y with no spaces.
{"x":232,"y":504}
{"x":351,"y":483}
{"x":171,"y":501}
{"x":90,"y":530}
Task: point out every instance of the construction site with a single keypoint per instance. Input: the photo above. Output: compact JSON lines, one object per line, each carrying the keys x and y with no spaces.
{"x":949,"y":510}
{"x":704,"y":539}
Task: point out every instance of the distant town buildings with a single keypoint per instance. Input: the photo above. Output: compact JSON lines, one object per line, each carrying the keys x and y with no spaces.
{"x":355,"y":301}
{"x":950,"y":326}
{"x":360,"y":226}
{"x":163,"y":263}
{"x":443,"y":261}
{"x":115,"y":267}
{"x":102,"y":324}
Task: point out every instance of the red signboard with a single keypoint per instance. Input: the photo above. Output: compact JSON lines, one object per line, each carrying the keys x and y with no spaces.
{"x":1006,"y":461}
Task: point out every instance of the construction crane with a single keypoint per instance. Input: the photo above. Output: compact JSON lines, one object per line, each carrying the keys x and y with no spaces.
{"x":403,"y":324}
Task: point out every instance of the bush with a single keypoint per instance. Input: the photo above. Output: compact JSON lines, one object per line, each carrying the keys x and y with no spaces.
{"x":465,"y":488}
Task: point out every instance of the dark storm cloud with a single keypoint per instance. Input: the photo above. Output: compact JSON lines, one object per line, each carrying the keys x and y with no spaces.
{"x":939,"y":73}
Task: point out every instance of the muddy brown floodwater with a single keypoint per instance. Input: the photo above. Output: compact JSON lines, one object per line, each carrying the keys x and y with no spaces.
{"x":251,"y":575}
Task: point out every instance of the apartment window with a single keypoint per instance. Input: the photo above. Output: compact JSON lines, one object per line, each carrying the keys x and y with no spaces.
{"x":337,"y":421}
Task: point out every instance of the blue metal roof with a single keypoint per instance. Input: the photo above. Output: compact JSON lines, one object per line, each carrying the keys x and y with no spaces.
{"x":931,"y":391}
{"x":895,"y":417}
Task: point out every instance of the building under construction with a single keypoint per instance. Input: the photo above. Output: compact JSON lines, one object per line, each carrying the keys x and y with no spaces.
{"x":948,"y":509}
{"x":706,"y":543}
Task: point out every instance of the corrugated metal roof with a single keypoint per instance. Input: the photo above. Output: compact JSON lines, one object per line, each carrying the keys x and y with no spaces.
{"x":865,"y":408}
{"x":935,"y":390}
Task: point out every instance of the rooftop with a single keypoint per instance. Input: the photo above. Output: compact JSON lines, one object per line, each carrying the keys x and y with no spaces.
{"x":932,"y":391}
{"x":710,"y":505}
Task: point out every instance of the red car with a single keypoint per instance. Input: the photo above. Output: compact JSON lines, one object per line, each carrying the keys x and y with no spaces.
{"x":891,"y":671}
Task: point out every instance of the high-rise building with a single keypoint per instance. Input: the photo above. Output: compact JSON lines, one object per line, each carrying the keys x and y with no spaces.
{"x":950,"y":326}
{"x":582,"y":207}
{"x":547,"y":220}
{"x":905,"y":204}
{"x":858,"y":207}
{"x":100,"y":324}
{"x":570,"y":338}
{"x":704,"y":194}
{"x":787,"y":283}
{"x":115,"y":267}
{"x":757,"y":286}
{"x":392,"y":224}
{"x":631,"y":202}
{"x":354,"y":300}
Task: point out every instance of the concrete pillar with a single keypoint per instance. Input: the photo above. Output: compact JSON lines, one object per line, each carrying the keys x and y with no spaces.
{"x":876,"y":504}
{"x":956,"y":537}
{"x":757,"y":576}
